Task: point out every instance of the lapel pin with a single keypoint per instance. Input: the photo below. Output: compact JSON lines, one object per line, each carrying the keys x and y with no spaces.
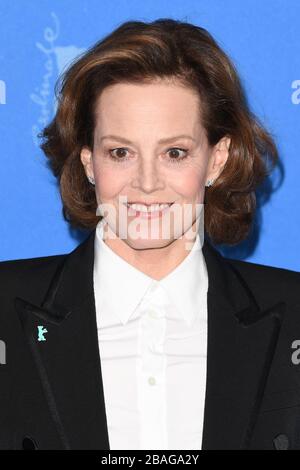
{"x":41,"y":332}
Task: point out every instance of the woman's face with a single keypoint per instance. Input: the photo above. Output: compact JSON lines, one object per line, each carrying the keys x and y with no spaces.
{"x":150,"y":147}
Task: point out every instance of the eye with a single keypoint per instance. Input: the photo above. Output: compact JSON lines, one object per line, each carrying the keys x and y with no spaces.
{"x":174,"y":154}
{"x":120,"y":155}
{"x":174,"y":158}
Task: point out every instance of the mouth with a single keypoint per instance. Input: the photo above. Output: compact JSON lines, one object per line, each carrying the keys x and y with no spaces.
{"x":148,"y":211}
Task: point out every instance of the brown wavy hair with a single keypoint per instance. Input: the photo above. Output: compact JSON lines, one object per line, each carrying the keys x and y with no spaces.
{"x":139,"y":52}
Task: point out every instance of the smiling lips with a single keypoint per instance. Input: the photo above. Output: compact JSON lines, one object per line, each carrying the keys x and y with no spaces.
{"x":146,"y":211}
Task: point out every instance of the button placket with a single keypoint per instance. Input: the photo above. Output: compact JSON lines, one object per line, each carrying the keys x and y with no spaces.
{"x":153,"y":369}
{"x":153,"y":335}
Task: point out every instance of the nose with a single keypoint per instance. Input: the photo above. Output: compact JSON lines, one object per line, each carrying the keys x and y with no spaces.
{"x":148,"y":178}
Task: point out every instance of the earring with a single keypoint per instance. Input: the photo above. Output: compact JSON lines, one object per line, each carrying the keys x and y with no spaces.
{"x":209,"y":183}
{"x":91,"y":179}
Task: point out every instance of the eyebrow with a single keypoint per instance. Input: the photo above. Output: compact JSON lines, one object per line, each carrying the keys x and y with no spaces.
{"x":161,"y":141}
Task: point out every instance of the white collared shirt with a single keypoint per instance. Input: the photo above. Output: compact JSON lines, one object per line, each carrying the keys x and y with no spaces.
{"x":153,"y":345}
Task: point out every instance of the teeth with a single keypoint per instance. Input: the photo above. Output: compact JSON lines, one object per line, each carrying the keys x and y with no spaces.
{"x":152,"y":208}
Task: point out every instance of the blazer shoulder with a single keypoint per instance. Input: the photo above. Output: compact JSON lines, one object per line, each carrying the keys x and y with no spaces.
{"x":256,"y":269}
{"x":28,"y":263}
{"x":26,"y":270}
{"x":272,"y":281}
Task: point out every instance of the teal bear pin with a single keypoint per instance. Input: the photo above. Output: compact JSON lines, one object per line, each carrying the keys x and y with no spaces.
{"x":41,"y":332}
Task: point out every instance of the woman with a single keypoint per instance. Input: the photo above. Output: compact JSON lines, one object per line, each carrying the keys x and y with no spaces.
{"x":145,"y":336}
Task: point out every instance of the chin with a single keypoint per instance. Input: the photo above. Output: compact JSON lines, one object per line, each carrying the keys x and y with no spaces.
{"x":148,"y":243}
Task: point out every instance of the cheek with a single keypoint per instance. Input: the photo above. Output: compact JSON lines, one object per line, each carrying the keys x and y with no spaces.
{"x":110,"y":181}
{"x":190,"y":183}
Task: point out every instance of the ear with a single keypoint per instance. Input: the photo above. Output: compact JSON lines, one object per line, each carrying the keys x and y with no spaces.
{"x":87,"y":161}
{"x":218,"y":158}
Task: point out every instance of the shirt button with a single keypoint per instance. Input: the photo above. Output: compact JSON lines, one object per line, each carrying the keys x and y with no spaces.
{"x":151,"y":381}
{"x":152,"y":314}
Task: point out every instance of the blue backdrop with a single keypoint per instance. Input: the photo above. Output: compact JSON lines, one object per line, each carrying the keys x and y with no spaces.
{"x":37,"y":40}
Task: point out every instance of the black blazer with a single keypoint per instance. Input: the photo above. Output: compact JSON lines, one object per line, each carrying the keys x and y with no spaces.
{"x":51,"y":392}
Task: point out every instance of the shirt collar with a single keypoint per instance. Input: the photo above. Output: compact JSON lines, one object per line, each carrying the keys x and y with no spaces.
{"x":126,"y":286}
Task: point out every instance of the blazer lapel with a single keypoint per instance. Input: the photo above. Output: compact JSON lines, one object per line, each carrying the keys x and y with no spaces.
{"x":241,"y":342}
{"x":68,"y":360}
{"x":242,"y":338}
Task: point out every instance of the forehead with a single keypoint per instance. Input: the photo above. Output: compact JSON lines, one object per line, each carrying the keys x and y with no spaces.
{"x":123,"y":105}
